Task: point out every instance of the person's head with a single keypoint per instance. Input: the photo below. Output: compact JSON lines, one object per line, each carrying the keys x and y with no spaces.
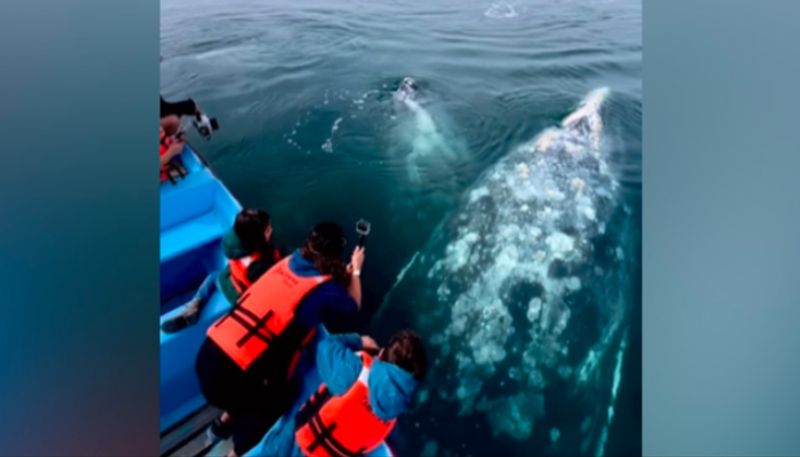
{"x":405,"y":350}
{"x":324,"y":246}
{"x":253,"y":228}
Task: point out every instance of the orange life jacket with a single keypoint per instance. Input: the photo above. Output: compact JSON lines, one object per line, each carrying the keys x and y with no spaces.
{"x":262,"y":313}
{"x":239,"y":267}
{"x":341,"y":426}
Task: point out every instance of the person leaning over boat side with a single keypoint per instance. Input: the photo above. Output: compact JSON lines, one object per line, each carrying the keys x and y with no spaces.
{"x":358,"y":401}
{"x":250,"y":251}
{"x":171,"y":112}
{"x":246,"y":364}
{"x":169,"y":147}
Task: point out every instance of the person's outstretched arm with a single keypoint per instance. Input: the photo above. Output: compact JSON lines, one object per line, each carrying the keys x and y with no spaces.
{"x":356,"y":262}
{"x":182,"y":108}
{"x":174,"y":149}
{"x":337,"y":362}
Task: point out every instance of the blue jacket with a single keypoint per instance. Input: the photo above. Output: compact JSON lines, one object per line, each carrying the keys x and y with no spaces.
{"x":391,"y":388}
{"x":327,"y":300}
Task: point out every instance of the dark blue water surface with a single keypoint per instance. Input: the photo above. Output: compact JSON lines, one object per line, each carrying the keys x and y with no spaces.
{"x":312,"y":129}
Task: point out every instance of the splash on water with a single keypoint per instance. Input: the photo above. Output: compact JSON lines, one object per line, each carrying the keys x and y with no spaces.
{"x":327,"y":146}
{"x":501,"y":10}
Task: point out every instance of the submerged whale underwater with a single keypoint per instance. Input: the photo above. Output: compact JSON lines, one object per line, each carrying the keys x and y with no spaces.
{"x":426,"y":144}
{"x":520,"y":295}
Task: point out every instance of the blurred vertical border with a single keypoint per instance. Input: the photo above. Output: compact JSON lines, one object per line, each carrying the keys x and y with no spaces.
{"x":79,"y":224}
{"x":721,"y":228}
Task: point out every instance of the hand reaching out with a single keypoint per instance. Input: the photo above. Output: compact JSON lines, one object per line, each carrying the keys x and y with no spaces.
{"x":369,"y":345}
{"x":357,"y":259}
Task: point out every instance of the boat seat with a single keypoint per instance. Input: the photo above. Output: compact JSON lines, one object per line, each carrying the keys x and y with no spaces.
{"x":202,"y":230}
{"x":180,"y":391}
{"x":193,"y":214}
{"x":189,"y":200}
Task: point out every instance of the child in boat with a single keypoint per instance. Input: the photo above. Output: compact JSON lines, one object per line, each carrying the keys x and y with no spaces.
{"x":250,"y":252}
{"x":246,"y":365}
{"x":359,"y":398}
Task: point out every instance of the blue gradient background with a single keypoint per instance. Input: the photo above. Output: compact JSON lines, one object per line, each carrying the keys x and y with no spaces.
{"x":79,"y":246}
{"x":721,"y":252}
{"x":79,"y":275}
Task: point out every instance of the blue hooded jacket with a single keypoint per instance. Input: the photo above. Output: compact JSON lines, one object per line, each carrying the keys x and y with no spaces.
{"x":328,"y":300}
{"x":391,"y":388}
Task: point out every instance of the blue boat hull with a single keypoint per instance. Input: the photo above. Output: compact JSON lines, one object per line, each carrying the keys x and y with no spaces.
{"x":196,"y":212}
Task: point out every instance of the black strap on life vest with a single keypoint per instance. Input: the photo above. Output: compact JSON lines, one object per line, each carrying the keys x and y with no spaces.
{"x":323,"y":436}
{"x":239,"y":283}
{"x":255,"y":326}
{"x":173,"y":167}
{"x":309,"y":414}
{"x":312,"y":406}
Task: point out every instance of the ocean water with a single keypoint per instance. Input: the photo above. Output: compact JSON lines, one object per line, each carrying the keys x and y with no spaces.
{"x":503,"y":185}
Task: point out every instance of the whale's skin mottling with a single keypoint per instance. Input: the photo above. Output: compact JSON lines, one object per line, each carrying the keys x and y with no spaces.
{"x":513,"y":301}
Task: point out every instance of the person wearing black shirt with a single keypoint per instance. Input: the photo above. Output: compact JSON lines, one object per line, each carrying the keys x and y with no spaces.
{"x":171,"y":113}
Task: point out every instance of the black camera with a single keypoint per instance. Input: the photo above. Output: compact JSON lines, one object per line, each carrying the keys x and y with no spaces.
{"x":205,"y":125}
{"x":362,"y":228}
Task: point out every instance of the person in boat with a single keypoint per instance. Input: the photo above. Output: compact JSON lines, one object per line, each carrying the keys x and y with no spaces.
{"x":170,"y":146}
{"x":358,"y":402}
{"x":171,"y":112}
{"x":250,"y":251}
{"x":246,"y":365}
{"x":171,"y":137}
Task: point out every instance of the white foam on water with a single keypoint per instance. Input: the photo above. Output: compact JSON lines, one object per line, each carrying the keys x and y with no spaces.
{"x":211,"y":54}
{"x":501,"y":10}
{"x":327,"y":146}
{"x":229,"y":55}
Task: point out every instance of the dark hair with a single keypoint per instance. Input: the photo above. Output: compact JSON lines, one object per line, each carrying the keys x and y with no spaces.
{"x":324,"y":246}
{"x":405,"y":350}
{"x":249,"y":228}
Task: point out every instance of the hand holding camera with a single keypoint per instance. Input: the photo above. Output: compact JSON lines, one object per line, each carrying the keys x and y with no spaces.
{"x":205,"y":125}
